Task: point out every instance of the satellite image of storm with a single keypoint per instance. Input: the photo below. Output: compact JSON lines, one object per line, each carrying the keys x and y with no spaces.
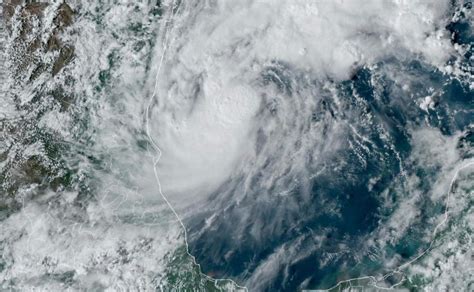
{"x":237,"y":145}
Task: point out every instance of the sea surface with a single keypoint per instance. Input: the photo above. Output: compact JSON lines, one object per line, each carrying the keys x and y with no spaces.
{"x":236,"y":145}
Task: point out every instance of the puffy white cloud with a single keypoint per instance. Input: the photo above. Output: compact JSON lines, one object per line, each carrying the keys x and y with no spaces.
{"x":208,"y":101}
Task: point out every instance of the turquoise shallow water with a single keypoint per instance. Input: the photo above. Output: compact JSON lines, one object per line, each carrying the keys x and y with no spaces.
{"x":297,"y":157}
{"x":346,"y":182}
{"x":357,"y":178}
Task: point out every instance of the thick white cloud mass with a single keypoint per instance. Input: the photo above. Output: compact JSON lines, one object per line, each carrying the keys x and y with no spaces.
{"x":263,"y":127}
{"x":209,"y":102}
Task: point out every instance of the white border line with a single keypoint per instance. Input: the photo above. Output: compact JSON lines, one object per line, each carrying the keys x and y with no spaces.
{"x":373,"y":279}
{"x":158,"y":150}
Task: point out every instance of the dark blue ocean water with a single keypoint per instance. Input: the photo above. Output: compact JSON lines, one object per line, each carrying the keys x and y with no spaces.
{"x":354,"y":179}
